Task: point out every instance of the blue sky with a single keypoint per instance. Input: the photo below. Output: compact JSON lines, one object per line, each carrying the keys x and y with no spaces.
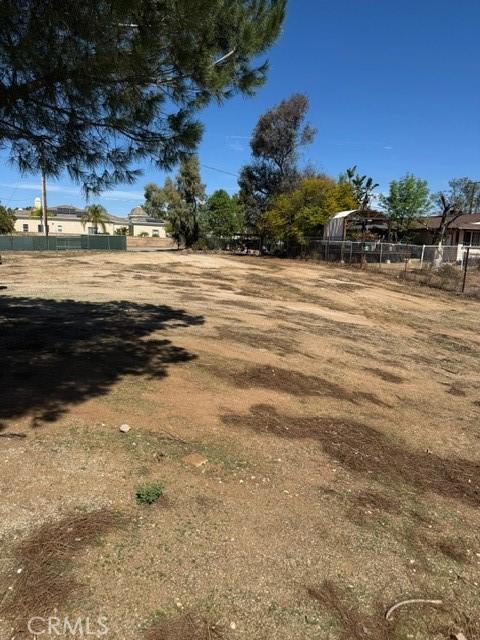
{"x":393,"y":87}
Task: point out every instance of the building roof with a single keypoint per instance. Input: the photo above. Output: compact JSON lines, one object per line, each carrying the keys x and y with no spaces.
{"x":138,"y":215}
{"x":360,"y":213}
{"x":465,"y":221}
{"x":66,"y":212}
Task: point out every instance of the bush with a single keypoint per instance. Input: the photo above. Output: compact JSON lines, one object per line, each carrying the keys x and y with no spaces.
{"x":149,"y":493}
{"x":449,"y":272}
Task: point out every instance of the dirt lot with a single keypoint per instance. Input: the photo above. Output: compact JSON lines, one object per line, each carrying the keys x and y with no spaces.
{"x":338,"y":412}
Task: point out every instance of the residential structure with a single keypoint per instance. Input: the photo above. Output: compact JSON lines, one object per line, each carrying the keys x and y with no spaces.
{"x":463,"y":230}
{"x":142,"y":225}
{"x":355,"y":224}
{"x":66,"y":219}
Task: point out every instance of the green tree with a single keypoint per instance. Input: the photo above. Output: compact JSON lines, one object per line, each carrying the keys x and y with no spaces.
{"x":362,"y":186}
{"x":222,"y":216}
{"x":155,"y":204}
{"x":463,"y":194}
{"x":275,"y":144}
{"x":7,"y":220}
{"x":179,"y":202}
{"x":408,"y":199}
{"x":95,"y":215}
{"x":303,"y":212}
{"x":95,"y":89}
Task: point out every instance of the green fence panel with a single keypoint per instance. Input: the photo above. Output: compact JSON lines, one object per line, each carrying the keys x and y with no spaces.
{"x":63,"y":243}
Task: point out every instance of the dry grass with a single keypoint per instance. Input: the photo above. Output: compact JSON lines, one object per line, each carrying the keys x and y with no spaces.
{"x":358,"y":440}
{"x":295,"y":383}
{"x":46,"y":560}
{"x":385,"y":375}
{"x":353,"y":625}
{"x":366,"y":450}
{"x":189,"y":626}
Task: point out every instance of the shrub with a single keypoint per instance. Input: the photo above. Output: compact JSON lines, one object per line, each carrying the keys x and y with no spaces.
{"x":149,"y":493}
{"x":449,"y":272}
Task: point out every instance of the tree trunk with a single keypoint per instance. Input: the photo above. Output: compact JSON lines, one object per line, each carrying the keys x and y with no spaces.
{"x":44,"y":203}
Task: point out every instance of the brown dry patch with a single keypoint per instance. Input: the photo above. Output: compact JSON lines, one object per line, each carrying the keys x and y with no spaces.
{"x":457,"y":389}
{"x":365,"y":450}
{"x":45,"y":557}
{"x":384,"y":375}
{"x":277,"y":341}
{"x":427,"y":542}
{"x":353,"y":625}
{"x":188,"y":626}
{"x":298,"y":384}
{"x":424,"y":621}
{"x":240,"y":304}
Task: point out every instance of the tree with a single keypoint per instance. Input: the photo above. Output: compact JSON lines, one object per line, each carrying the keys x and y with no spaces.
{"x":463,"y":194}
{"x":155,"y":204}
{"x":301,"y":213}
{"x":7,"y":221}
{"x":95,"y":89}
{"x":275,"y":144}
{"x":96,"y":215}
{"x":408,"y":199}
{"x":362,"y":186}
{"x":179,"y":202}
{"x":222,"y":216}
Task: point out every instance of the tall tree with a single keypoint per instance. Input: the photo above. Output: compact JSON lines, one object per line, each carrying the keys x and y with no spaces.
{"x":155,"y":204}
{"x":301,"y":213}
{"x":408,"y":199}
{"x":7,"y":220}
{"x":450,"y":211}
{"x":275,"y":144}
{"x":95,"y":215}
{"x":95,"y":89}
{"x":179,"y":202}
{"x":463,"y":194}
{"x":363,"y":186}
{"x":222,"y":216}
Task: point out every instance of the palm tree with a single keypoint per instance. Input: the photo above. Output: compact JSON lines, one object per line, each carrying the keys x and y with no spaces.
{"x":96,"y":215}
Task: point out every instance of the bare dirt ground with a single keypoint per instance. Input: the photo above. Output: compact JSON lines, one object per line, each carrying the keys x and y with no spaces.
{"x":338,"y":411}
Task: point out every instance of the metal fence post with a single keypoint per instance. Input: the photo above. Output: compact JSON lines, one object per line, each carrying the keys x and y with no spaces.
{"x":465,"y":270}
{"x":381,"y":253}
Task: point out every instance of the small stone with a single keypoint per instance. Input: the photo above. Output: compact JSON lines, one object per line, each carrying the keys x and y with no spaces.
{"x":19,"y":570}
{"x":178,"y":604}
{"x":233,"y":625}
{"x":125,"y":428}
{"x":195,"y":460}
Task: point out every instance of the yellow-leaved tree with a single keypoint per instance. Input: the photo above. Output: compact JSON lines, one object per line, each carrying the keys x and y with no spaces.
{"x":302,"y":213}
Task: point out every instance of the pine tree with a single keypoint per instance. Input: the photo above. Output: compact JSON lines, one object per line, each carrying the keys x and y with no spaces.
{"x":95,"y":88}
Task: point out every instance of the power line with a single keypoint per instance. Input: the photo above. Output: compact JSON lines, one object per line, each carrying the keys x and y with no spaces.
{"x":228,"y":173}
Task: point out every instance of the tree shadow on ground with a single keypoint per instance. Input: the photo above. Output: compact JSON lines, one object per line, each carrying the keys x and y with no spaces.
{"x":58,"y":353}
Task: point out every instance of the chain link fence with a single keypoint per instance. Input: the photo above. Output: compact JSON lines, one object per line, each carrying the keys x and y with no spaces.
{"x":85,"y":242}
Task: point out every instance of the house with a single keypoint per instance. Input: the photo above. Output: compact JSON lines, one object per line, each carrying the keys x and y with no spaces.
{"x":66,"y":219}
{"x":356,"y":224}
{"x":463,"y":230}
{"x":140,"y":224}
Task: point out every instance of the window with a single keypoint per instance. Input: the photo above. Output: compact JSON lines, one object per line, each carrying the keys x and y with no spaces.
{"x":25,"y":228}
{"x":40,"y":228}
{"x":91,"y":231}
{"x":471,"y":238}
{"x":59,"y":229}
{"x":155,"y":233}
